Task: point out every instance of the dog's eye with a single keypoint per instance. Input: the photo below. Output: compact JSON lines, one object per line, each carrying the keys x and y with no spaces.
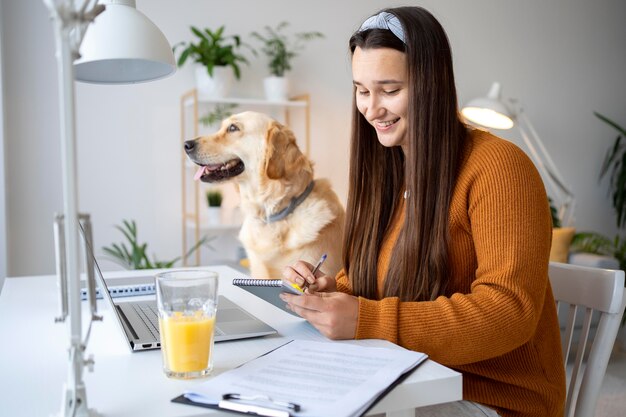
{"x":232,"y":128}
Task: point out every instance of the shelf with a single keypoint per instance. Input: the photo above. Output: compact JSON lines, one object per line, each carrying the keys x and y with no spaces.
{"x":247,"y":101}
{"x":205,"y":227}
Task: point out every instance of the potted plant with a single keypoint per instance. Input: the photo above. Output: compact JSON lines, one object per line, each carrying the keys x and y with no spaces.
{"x":614,"y":161}
{"x":218,"y":59}
{"x":597,"y":243}
{"x":214,"y":201}
{"x":281,"y":50}
{"x":135,"y":256}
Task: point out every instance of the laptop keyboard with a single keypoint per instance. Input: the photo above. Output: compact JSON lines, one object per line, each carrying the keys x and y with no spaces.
{"x":150,"y":316}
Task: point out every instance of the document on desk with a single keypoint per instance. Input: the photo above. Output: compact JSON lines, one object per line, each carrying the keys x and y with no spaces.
{"x":313,"y":378}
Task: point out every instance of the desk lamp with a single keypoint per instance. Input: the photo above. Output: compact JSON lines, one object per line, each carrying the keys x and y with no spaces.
{"x":491,"y":112}
{"x":121,"y":46}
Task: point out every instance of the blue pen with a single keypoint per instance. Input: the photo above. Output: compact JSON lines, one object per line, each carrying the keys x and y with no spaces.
{"x":321,"y":261}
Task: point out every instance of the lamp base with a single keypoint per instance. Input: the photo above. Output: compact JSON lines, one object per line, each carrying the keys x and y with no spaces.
{"x":81,"y":410}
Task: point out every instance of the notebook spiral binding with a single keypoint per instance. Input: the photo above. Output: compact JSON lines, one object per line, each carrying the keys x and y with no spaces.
{"x":242,"y":282}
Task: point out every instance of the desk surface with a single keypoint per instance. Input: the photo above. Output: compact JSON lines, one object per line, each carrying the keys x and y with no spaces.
{"x":34,"y":367}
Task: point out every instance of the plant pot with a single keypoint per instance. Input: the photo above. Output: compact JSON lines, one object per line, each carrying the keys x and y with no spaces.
{"x":276,"y":88}
{"x":217,"y":86}
{"x":214,"y":216}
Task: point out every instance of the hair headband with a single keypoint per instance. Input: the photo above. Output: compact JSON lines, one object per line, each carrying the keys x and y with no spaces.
{"x":384,"y":20}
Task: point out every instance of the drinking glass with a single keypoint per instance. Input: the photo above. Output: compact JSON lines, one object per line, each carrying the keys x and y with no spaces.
{"x":187,"y":304}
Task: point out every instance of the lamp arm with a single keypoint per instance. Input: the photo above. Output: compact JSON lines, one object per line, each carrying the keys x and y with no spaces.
{"x":548,"y":169}
{"x":552,"y":169}
{"x":70,"y":23}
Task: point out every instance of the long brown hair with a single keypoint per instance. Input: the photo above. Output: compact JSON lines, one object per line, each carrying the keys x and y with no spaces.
{"x":418,"y":269}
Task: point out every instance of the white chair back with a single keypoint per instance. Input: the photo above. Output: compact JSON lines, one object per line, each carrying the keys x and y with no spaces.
{"x":589,"y":289}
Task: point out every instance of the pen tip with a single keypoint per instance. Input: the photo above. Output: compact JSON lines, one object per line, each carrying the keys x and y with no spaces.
{"x":323,"y":257}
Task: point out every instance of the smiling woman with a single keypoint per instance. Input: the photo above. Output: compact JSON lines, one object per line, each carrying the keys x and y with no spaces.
{"x":435,"y":257}
{"x":383,"y":102}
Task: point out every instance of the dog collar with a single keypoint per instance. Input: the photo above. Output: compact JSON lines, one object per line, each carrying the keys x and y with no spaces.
{"x":295,"y":202}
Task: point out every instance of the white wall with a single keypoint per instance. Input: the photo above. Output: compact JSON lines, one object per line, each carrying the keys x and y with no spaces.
{"x":3,"y":229}
{"x":563,"y":59}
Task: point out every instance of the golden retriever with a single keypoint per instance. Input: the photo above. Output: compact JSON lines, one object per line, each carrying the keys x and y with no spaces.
{"x":287,"y":214}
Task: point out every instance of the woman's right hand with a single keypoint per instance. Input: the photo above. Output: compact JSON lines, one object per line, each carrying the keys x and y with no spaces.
{"x":300,"y":272}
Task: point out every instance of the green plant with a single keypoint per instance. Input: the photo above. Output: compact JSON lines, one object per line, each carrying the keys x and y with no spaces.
{"x":220,"y":112}
{"x":280,"y":48}
{"x":597,"y":243}
{"x":214,"y":198}
{"x":556,"y":222}
{"x":615,"y":161}
{"x":135,"y":256}
{"x":213,"y":49}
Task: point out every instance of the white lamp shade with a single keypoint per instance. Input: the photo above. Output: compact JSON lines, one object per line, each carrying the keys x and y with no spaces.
{"x":489,"y":111}
{"x":123,"y":46}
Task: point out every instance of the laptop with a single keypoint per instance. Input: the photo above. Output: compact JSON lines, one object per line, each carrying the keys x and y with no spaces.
{"x":123,"y":287}
{"x":139,"y":320}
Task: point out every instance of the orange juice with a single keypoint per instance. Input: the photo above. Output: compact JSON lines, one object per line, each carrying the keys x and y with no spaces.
{"x":186,"y":342}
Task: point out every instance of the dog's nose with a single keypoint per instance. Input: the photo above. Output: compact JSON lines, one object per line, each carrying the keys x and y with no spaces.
{"x":190,"y":145}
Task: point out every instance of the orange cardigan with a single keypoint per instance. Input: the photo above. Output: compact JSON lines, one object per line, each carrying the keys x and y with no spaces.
{"x":497,"y":324}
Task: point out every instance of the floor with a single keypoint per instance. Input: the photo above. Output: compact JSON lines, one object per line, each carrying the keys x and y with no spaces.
{"x":612,"y":398}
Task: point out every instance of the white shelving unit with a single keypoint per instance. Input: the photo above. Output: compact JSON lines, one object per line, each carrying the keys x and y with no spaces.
{"x":191,"y":105}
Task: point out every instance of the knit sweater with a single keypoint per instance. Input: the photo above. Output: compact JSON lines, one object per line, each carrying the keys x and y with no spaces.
{"x":497,"y":322}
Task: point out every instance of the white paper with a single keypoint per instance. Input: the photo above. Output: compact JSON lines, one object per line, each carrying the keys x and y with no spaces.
{"x":324,"y":378}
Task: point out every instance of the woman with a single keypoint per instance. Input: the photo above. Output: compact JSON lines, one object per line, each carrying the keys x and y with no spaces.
{"x":448,"y":231}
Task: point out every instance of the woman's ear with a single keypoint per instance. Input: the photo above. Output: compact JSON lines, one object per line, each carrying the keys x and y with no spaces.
{"x":282,"y":155}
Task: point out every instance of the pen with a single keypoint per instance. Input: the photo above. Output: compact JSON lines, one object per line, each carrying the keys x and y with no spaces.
{"x":321,"y":261}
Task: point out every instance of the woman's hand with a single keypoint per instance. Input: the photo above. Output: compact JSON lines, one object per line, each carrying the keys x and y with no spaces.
{"x":300,"y":273}
{"x":334,"y":314}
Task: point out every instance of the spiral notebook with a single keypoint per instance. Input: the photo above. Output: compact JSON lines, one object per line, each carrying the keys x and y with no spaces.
{"x":268,"y":290}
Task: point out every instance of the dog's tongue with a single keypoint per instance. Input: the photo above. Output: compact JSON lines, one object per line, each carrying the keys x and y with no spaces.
{"x":201,"y":171}
{"x":207,"y":169}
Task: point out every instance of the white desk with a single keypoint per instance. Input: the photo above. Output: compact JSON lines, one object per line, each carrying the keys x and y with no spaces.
{"x":33,"y":358}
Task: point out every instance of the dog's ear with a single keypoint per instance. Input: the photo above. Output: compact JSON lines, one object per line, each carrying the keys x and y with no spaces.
{"x":282,"y":154}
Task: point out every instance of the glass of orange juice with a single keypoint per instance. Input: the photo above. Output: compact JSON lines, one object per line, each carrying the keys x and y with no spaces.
{"x":187,"y":303}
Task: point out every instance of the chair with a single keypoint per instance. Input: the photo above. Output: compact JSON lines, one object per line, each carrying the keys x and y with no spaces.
{"x":589,"y":289}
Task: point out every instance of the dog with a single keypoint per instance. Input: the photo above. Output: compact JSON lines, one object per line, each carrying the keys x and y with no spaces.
{"x":287,"y":214}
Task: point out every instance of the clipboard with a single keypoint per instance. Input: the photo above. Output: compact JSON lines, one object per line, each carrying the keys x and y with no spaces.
{"x":258,"y":410}
{"x":236,"y":408}
{"x":266,"y":411}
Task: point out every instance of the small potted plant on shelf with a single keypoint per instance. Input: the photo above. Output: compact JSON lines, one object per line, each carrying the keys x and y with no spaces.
{"x":214,"y":201}
{"x":218,"y":58}
{"x":281,"y":50}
